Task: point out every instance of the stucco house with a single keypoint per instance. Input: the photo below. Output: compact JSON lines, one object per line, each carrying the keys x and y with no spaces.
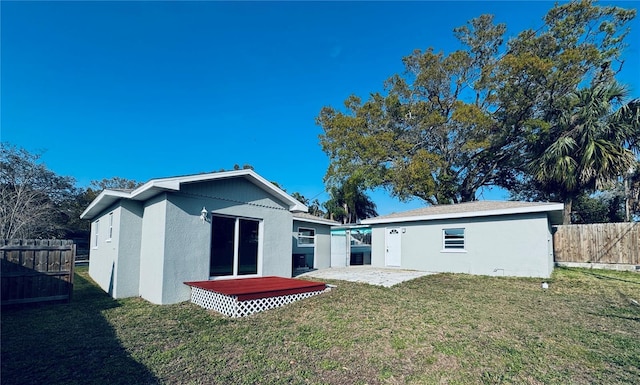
{"x":483,"y":237}
{"x":311,"y":241}
{"x":235,"y":224}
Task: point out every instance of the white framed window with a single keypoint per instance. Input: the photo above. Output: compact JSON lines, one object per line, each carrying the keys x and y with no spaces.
{"x":110,"y":227}
{"x":453,"y":240}
{"x":96,"y":233}
{"x":306,"y":237}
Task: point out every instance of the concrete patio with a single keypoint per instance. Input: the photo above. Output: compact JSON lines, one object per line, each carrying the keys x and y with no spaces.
{"x":386,"y":277}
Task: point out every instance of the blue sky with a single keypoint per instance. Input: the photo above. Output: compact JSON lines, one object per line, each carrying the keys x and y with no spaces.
{"x":142,"y":90}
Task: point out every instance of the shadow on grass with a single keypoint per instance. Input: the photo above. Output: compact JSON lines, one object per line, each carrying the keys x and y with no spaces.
{"x":626,"y":318}
{"x":67,"y":343}
{"x":599,"y":276}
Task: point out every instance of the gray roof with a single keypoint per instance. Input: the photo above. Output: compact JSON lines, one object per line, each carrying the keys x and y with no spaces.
{"x":306,"y":217}
{"x":471,"y":209}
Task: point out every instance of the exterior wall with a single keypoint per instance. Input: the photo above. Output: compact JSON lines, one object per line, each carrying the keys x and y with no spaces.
{"x":510,"y":245}
{"x":187,"y":241}
{"x":276,"y":252}
{"x":377,"y":243}
{"x":323,"y":247}
{"x":319,"y":256}
{"x":152,"y":249}
{"x":187,"y":246}
{"x":115,"y":263}
{"x":129,"y":234}
{"x":103,"y":257}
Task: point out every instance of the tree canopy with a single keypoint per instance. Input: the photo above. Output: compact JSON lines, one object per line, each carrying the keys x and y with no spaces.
{"x":35,"y":202}
{"x":590,"y":145}
{"x":33,"y":199}
{"x":478,"y":116}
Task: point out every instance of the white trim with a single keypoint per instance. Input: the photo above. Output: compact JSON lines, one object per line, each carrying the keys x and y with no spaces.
{"x":454,"y":249}
{"x":156,"y":186}
{"x":236,"y":243}
{"x":110,"y":230}
{"x":260,"y":245}
{"x":96,"y":235}
{"x":320,"y":221}
{"x":174,"y":183}
{"x":387,"y":232}
{"x":468,"y":214}
{"x":102,"y":201}
{"x":313,"y":237}
{"x":236,"y":246}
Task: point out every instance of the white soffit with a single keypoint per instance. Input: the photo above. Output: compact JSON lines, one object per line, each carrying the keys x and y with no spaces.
{"x":156,"y":186}
{"x":547,"y":207}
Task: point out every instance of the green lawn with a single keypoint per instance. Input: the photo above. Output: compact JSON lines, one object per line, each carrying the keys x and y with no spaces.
{"x":439,"y":329}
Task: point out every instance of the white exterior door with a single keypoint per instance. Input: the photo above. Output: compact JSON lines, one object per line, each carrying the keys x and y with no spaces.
{"x":338,"y":250}
{"x":392,"y":245}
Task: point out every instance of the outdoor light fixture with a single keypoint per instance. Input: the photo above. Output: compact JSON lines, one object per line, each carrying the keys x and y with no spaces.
{"x":204,"y":214}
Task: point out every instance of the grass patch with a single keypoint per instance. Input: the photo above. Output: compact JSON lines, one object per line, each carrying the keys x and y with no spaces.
{"x":444,"y":328}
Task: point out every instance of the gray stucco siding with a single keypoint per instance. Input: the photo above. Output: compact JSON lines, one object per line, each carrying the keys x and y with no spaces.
{"x":103,"y":256}
{"x":187,"y":244}
{"x":240,"y":198}
{"x":187,"y":240}
{"x":234,"y":191}
{"x":323,"y":247}
{"x":511,"y":245}
{"x":129,"y":234}
{"x":276,"y":251}
{"x":114,"y":264}
{"x":318,"y":256}
{"x":152,"y":249}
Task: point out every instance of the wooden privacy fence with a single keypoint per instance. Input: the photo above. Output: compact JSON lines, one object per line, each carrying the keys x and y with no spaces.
{"x":617,"y":243}
{"x":36,"y":270}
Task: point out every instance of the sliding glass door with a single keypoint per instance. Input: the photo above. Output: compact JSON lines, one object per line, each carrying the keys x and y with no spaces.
{"x":248,"y":247}
{"x":223,"y":230}
{"x":235,"y":246}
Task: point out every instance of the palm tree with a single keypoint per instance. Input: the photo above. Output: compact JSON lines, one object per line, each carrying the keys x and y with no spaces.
{"x":593,"y":143}
{"x":300,"y":198}
{"x":349,"y":203}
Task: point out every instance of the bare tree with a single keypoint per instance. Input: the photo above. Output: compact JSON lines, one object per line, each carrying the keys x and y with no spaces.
{"x":30,"y":195}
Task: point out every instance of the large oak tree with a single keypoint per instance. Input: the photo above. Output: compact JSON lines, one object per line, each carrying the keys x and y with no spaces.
{"x":453,"y":123}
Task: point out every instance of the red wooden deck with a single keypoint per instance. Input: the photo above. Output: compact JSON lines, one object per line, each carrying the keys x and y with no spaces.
{"x":262,"y":287}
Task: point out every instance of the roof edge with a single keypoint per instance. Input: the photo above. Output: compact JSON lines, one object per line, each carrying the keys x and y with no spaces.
{"x":154,"y":186}
{"x":106,"y":195}
{"x":321,"y":221}
{"x":468,"y":214}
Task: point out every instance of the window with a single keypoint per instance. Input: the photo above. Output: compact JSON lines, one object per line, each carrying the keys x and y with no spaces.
{"x":110,"y":226}
{"x":306,"y":237}
{"x":360,"y":237}
{"x":235,"y":246}
{"x":453,"y":239}
{"x":96,"y":231}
